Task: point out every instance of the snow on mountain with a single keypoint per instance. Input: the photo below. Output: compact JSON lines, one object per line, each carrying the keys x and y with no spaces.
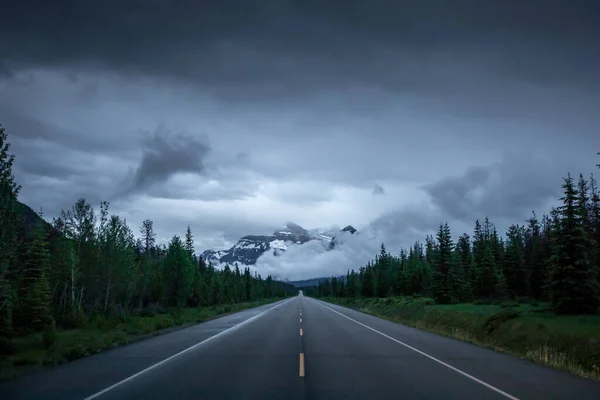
{"x":249,"y":248}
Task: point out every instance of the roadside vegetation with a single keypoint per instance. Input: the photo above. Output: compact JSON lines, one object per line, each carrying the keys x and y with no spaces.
{"x":85,"y":283}
{"x":534,"y":292}
{"x":526,"y":330}
{"x":56,"y":346}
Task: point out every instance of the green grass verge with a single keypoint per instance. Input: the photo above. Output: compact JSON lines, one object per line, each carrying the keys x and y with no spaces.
{"x":529,"y":331}
{"x":100,"y":334}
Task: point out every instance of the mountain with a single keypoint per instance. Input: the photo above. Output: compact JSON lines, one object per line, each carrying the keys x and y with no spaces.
{"x":249,"y":248}
{"x":325,"y":234}
{"x":313,"y":281}
{"x":30,"y":218}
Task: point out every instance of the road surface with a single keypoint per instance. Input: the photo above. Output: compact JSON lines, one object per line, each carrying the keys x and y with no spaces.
{"x":300,"y":348}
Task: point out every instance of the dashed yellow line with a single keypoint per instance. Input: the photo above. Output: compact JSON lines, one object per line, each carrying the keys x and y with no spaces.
{"x":302,"y":364}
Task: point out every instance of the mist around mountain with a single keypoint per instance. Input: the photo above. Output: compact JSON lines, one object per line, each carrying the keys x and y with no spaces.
{"x":250,"y":248}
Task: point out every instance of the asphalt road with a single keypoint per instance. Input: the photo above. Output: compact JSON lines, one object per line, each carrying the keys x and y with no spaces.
{"x":300,"y":348}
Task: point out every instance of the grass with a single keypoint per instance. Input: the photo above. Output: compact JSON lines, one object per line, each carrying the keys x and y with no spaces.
{"x":35,"y":351}
{"x":525,"y":330}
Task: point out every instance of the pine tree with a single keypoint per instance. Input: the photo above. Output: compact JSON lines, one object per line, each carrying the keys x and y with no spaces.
{"x":514,"y":265}
{"x":34,"y":291}
{"x":463,"y":247}
{"x":534,"y":258}
{"x":368,"y":284}
{"x":574,"y":282}
{"x":442,"y":287}
{"x":594,"y":222}
{"x":189,"y":242}
{"x":487,"y":278}
{"x":178,"y":273}
{"x":459,"y":287}
{"x":478,"y":244}
{"x":9,"y":223}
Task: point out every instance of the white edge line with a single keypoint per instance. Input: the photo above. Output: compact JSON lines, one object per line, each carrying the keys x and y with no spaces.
{"x":426,"y":355}
{"x":158,"y":364}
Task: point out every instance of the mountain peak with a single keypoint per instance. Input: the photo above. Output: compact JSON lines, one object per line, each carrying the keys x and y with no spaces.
{"x":349,"y":228}
{"x":249,"y":248}
{"x":292,"y":226}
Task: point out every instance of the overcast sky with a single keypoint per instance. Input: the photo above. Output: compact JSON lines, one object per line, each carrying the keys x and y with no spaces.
{"x":237,"y":116}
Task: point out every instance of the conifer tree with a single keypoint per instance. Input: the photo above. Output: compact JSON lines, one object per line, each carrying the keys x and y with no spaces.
{"x":574,"y":283}
{"x":594,"y":222}
{"x":463,"y":247}
{"x":487,"y":277}
{"x":34,"y":290}
{"x":443,"y":261}
{"x":9,"y":223}
{"x":514,"y":265}
{"x":189,"y":242}
{"x":178,"y":273}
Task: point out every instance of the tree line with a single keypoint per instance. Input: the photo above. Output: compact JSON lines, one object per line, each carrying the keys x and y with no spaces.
{"x":554,"y":258}
{"x":90,"y":263}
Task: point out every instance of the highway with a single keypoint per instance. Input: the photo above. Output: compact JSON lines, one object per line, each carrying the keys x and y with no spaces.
{"x":300,"y":348}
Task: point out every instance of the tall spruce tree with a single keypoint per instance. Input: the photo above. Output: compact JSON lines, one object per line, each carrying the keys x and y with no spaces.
{"x":574,"y":284}
{"x":441,"y":285}
{"x":514,"y":262}
{"x":534,"y":258}
{"x":178,"y":273}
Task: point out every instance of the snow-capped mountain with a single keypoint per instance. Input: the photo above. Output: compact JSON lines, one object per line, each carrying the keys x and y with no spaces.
{"x":249,"y":248}
{"x":325,"y":234}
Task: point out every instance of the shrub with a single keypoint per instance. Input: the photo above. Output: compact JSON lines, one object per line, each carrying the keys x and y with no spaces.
{"x":494,"y":321}
{"x":20,"y":361}
{"x":7,"y":347}
{"x":49,"y":335}
{"x":75,"y":352}
{"x":71,"y":321}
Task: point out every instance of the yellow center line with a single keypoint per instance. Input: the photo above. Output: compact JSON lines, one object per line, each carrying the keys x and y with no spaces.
{"x":302,"y":364}
{"x":300,"y":331}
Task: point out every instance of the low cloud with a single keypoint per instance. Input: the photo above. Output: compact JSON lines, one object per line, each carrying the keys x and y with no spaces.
{"x":397,"y":229}
{"x":517,"y":184}
{"x":378,"y":190}
{"x":166,"y":154}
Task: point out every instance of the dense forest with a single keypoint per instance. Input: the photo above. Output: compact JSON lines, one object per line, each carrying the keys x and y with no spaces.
{"x":554,"y":258}
{"x":89,"y":263}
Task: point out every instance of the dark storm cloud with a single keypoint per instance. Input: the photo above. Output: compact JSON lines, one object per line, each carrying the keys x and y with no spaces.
{"x":302,"y":45}
{"x":378,"y":189}
{"x":508,"y":189}
{"x":165,"y":154}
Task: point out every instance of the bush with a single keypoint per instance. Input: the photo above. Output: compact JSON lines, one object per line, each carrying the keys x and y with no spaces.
{"x":49,"y":335}
{"x":101,"y":322}
{"x":7,"y":347}
{"x":494,"y":321}
{"x":152,"y":310}
{"x":20,"y":361}
{"x":71,"y":321}
{"x":75,"y":352}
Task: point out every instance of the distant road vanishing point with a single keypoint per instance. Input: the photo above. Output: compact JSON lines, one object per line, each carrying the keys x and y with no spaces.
{"x":300,"y":348}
